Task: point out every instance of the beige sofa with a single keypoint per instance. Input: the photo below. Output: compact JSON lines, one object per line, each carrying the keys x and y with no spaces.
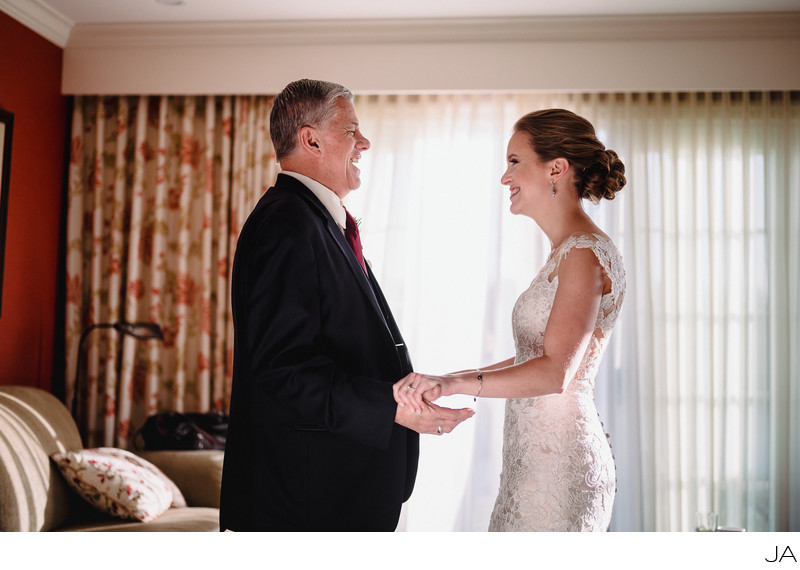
{"x":34,"y":497}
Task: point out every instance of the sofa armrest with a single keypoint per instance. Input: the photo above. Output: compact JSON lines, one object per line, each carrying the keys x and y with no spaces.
{"x":197,"y":473}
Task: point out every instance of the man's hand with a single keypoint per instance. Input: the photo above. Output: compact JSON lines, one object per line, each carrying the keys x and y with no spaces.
{"x":432,"y":419}
{"x":417,"y":390}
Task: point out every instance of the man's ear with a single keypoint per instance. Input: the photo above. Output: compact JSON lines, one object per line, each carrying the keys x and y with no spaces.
{"x":308,"y":140}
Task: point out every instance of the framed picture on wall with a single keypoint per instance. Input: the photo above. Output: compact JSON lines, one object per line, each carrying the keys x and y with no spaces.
{"x":6,"y":130}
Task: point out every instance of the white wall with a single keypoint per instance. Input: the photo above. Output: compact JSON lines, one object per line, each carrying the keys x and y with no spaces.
{"x":636,"y":53}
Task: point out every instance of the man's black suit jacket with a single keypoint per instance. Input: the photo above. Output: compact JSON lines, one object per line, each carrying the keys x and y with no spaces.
{"x":312,"y":443}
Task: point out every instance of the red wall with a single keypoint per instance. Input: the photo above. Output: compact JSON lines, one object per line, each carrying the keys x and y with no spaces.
{"x":30,"y":87}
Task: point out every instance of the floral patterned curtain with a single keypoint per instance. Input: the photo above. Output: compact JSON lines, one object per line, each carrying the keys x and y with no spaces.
{"x":159,"y":187}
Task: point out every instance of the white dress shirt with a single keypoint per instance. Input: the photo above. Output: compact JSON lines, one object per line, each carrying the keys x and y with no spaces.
{"x":325,"y":195}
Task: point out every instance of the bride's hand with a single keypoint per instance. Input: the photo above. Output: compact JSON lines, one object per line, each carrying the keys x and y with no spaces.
{"x":416,"y":391}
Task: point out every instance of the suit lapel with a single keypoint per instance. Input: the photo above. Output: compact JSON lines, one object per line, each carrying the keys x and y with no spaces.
{"x":338,"y":237}
{"x":354,"y":266}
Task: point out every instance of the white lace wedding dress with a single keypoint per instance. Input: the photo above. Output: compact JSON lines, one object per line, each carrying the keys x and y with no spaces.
{"x":558,"y":472}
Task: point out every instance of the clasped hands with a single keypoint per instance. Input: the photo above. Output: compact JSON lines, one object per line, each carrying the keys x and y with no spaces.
{"x":415,"y":395}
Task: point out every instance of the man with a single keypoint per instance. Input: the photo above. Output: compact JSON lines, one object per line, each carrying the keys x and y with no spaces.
{"x":316,"y":441}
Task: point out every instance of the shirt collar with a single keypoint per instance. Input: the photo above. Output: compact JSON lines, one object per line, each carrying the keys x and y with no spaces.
{"x":325,"y":195}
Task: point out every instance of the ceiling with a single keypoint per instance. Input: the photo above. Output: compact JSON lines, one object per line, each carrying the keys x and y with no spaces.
{"x":62,"y":21}
{"x":139,"y":46}
{"x":129,"y":11}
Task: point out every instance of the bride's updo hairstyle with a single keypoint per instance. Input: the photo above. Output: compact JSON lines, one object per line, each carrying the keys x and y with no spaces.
{"x":558,"y":133}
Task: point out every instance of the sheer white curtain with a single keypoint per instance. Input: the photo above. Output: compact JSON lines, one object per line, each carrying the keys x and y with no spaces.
{"x":699,"y":387}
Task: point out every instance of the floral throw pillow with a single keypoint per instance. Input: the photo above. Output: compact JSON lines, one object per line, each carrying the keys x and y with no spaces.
{"x":119,"y":482}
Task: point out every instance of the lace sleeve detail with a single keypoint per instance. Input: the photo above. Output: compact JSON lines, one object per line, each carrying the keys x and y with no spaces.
{"x":610,"y":260}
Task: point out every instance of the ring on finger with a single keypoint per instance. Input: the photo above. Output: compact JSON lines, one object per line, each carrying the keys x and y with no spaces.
{"x":409,"y":387}
{"x":439,"y":430}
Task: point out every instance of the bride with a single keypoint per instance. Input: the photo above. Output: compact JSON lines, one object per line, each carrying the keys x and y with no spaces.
{"x":558,"y":472}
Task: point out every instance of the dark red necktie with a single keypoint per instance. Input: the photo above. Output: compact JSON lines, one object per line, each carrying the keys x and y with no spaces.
{"x":354,"y":239}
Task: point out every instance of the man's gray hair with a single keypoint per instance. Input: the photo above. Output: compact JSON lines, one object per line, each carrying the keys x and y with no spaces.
{"x":306,"y":102}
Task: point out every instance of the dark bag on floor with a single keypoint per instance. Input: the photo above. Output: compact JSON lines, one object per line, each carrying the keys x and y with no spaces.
{"x":174,"y":430}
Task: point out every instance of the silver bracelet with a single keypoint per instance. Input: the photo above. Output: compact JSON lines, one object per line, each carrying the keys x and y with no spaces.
{"x":480,"y":386}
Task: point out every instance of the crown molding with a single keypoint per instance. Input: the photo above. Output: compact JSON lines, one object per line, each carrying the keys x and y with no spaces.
{"x":41,"y":18}
{"x":60,"y":30}
{"x":408,"y":31}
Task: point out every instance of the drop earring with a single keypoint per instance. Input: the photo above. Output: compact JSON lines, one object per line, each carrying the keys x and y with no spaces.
{"x":552,"y":188}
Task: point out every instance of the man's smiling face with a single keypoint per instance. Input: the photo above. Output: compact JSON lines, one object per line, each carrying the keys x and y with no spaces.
{"x":341,"y":144}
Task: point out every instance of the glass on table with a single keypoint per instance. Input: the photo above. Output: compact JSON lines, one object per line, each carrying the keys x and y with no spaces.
{"x":706,"y":522}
